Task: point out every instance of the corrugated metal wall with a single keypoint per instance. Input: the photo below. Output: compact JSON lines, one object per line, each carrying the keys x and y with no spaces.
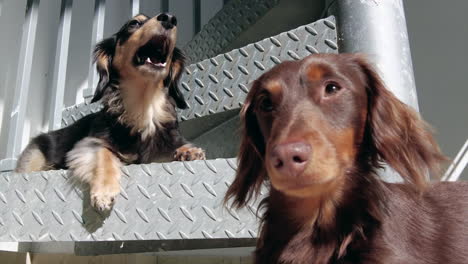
{"x":34,"y":40}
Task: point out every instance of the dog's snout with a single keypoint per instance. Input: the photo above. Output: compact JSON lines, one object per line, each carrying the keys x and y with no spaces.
{"x":163,"y":17}
{"x":167,"y":20}
{"x":290,"y":158}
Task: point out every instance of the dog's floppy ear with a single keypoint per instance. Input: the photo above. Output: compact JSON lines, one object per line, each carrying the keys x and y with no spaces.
{"x":250,"y":171}
{"x":397,"y":134}
{"x":172,"y":80}
{"x":103,"y":54}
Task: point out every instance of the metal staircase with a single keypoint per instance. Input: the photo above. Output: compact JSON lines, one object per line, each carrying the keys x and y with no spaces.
{"x":178,"y":205}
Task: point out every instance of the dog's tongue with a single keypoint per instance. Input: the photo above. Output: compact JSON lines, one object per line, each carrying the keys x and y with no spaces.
{"x":156,"y":56}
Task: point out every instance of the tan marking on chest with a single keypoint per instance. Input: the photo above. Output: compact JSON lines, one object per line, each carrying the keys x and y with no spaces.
{"x":145,"y":105}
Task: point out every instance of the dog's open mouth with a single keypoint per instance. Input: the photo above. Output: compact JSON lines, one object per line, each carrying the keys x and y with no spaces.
{"x":154,"y":53}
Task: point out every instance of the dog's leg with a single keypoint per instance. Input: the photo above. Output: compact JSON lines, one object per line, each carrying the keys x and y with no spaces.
{"x":31,"y":159}
{"x":91,"y":162}
{"x":189,"y":152}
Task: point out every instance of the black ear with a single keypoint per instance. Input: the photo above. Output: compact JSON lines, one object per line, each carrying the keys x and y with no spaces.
{"x":103,"y":54}
{"x":172,"y":80}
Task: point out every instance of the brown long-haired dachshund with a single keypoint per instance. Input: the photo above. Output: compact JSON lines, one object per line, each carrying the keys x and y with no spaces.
{"x":139,"y":68}
{"x":317,"y":129}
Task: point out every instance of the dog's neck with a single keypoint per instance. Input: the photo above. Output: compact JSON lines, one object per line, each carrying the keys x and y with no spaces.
{"x":142,"y":105}
{"x":297,"y":213}
{"x":320,"y":227}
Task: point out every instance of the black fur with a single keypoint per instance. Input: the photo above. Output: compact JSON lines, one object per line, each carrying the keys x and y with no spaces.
{"x":56,"y":144}
{"x":119,"y":137}
{"x":172,"y":80}
{"x":106,"y":47}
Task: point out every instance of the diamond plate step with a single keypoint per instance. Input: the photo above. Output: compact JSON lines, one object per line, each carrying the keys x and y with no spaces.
{"x":222,"y":82}
{"x":159,"y":201}
{"x":233,"y":19}
{"x":170,"y":201}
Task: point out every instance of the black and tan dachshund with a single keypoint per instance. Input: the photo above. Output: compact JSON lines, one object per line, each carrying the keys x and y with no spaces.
{"x":139,"y":69}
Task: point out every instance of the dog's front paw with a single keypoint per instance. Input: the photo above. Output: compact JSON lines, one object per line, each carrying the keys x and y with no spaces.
{"x":103,"y":198}
{"x":188,"y":152}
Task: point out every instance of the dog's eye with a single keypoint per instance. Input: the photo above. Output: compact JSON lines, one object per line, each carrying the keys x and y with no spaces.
{"x":134,"y":23}
{"x":265,"y":104}
{"x":332,"y":88}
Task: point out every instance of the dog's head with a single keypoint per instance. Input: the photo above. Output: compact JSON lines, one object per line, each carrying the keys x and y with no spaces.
{"x":142,"y":50}
{"x":307,"y":124}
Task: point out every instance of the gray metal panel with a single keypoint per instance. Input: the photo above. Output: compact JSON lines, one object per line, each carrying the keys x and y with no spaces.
{"x":170,"y":201}
{"x":118,"y":13}
{"x":186,"y":19}
{"x":221,"y":141}
{"x":209,"y":8}
{"x":135,"y":7}
{"x":23,"y":79}
{"x":151,"y":7}
{"x":225,"y":26}
{"x":60,"y":65}
{"x":97,"y":35}
{"x":221,"y":83}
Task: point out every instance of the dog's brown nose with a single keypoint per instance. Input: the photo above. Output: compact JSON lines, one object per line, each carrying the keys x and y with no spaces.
{"x":290,"y":159}
{"x":168,"y":21}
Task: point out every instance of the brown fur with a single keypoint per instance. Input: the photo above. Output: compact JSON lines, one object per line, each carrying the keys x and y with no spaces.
{"x":32,"y":160}
{"x":189,"y":152}
{"x":337,"y":210}
{"x":105,"y":183}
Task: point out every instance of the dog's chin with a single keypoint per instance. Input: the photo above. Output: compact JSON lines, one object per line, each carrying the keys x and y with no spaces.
{"x":151,"y":72}
{"x":305,"y":185}
{"x":153,"y":57}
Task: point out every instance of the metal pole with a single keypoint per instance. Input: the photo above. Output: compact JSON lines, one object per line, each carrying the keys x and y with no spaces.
{"x":460,"y":162}
{"x":378,"y":29}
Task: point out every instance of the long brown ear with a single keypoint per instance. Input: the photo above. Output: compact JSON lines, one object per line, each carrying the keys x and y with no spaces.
{"x":103,"y":54}
{"x":398,"y":135}
{"x":172,"y":80}
{"x":250,"y":171}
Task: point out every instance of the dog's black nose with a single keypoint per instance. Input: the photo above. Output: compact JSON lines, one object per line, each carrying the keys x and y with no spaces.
{"x":290,"y":159}
{"x":168,"y":21}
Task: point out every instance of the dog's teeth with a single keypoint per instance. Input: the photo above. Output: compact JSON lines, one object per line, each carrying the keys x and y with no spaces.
{"x":149,"y":60}
{"x":162,"y":65}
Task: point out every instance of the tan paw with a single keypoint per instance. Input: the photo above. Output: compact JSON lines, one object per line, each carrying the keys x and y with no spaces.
{"x":104,"y":198}
{"x":189,"y":152}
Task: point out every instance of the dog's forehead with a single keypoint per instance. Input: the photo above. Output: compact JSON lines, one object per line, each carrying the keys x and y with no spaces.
{"x":141,"y":17}
{"x":338,"y":67}
{"x":313,"y":69}
{"x":281,"y":74}
{"x":318,"y":67}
